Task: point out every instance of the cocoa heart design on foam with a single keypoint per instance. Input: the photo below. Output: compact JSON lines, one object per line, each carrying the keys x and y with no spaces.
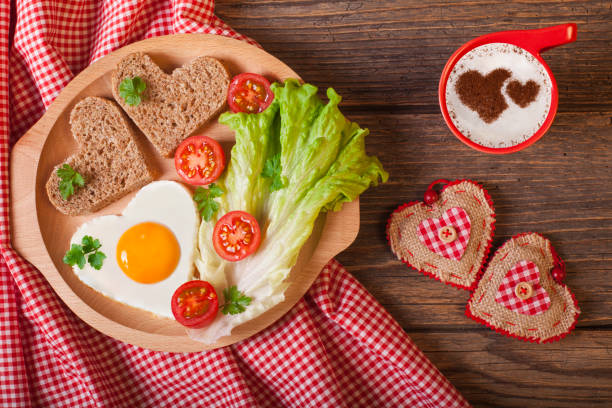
{"x":483,"y":94}
{"x":521,"y":94}
{"x":545,"y":311}
{"x":462,"y":268}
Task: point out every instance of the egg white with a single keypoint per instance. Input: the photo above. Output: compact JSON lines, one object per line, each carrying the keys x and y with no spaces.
{"x":164,"y":202}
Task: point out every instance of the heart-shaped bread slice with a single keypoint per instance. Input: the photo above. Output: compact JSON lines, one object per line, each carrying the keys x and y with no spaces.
{"x":518,"y":295}
{"x":448,"y":240}
{"x":172,"y":106}
{"x":109,"y":158}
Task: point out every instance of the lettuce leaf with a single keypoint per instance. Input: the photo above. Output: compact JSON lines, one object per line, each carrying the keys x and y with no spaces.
{"x":323,"y":164}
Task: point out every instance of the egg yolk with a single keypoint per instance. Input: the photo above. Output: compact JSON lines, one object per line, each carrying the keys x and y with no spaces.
{"x":148,"y":252}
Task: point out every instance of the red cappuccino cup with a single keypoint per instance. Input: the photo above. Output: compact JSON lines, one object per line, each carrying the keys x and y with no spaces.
{"x":496,"y":93}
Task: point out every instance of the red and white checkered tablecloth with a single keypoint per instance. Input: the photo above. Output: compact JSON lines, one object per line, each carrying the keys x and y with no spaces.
{"x":336,"y":348}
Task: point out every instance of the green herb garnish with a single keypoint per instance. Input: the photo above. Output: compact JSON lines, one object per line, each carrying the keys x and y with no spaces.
{"x":89,"y":247}
{"x":204,"y":197}
{"x":69,"y":178}
{"x":131,"y":89}
{"x":272,"y":169}
{"x":235,"y":301}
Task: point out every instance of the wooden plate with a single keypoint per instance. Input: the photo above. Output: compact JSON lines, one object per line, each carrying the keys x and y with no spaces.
{"x":41,"y":234}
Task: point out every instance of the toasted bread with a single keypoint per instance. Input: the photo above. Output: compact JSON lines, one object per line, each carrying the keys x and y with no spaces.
{"x":172,"y":106}
{"x":109,"y":158}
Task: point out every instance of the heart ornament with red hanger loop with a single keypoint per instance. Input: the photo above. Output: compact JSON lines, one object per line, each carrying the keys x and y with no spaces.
{"x":521,"y":293}
{"x":448,"y":235}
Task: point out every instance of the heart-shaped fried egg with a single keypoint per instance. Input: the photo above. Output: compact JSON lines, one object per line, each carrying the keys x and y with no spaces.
{"x":149,"y":249}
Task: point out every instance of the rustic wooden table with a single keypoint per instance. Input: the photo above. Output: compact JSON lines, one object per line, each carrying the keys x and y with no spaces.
{"x":385,"y":58}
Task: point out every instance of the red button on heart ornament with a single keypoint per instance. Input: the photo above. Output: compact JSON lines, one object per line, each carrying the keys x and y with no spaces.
{"x":448,"y":236}
{"x":518,"y":295}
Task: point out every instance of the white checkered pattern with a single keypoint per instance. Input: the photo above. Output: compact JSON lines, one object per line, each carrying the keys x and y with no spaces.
{"x":459,"y":220}
{"x":523,"y":271}
{"x":336,"y":348}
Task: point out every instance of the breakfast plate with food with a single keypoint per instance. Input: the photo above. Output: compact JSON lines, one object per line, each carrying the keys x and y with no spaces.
{"x":183,"y":192}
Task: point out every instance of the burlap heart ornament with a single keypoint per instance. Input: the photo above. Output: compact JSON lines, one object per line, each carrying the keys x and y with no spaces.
{"x":521,"y":295}
{"x":447,"y":238}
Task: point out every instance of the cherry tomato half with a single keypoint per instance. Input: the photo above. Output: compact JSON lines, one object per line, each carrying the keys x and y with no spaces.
{"x":236,"y":235}
{"x":195,"y":304}
{"x":199,"y":160}
{"x":249,"y":93}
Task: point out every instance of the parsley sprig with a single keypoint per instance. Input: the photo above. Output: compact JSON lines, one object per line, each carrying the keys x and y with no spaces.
{"x":131,"y":89}
{"x":89,"y":247}
{"x":235,"y":301}
{"x":205,"y":198}
{"x":69,"y":178}
{"x":272,"y":169}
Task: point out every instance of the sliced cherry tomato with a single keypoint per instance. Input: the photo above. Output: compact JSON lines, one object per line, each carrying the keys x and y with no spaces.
{"x":236,"y":235}
{"x":199,"y":160}
{"x":195,"y":304}
{"x":249,"y":93}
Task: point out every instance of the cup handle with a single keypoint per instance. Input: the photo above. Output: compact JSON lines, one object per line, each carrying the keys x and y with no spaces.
{"x":546,"y":38}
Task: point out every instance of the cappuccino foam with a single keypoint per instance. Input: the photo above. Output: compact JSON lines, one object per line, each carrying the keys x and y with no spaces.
{"x":515,"y":124}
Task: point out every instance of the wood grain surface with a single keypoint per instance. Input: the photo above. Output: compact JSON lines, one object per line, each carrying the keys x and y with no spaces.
{"x":385,"y":58}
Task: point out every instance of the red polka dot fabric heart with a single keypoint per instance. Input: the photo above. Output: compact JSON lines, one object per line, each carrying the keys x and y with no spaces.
{"x":433,"y":232}
{"x":521,"y":291}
